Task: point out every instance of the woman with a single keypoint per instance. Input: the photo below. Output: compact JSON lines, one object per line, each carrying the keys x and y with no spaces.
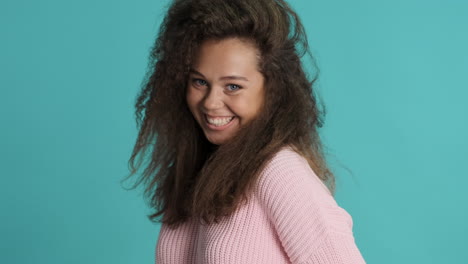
{"x":236,"y":170}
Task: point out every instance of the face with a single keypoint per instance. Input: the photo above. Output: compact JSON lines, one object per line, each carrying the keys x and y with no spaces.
{"x":225,"y":89}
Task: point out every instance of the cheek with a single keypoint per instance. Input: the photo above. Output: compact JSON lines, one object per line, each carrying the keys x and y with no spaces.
{"x":192,"y":99}
{"x":244,"y":107}
{"x":253,"y":108}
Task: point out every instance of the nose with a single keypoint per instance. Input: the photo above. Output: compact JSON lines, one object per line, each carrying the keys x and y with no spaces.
{"x":213,"y":99}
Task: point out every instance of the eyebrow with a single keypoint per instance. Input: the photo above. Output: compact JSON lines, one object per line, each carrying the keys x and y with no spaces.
{"x":230,"y":77}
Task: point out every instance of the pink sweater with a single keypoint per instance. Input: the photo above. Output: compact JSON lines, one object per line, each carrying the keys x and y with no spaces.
{"x":291,"y":217}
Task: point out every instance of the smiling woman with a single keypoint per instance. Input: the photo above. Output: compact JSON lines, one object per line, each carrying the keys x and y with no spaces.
{"x":219,"y":105}
{"x":236,"y":172}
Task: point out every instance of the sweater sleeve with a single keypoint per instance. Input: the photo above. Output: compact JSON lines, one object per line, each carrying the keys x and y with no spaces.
{"x":310,"y":225}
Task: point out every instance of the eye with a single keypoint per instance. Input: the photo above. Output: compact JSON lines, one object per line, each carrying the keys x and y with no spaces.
{"x":233,"y":87}
{"x":199,"y":82}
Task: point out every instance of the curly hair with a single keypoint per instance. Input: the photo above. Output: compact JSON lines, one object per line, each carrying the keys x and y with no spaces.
{"x":187,"y":176}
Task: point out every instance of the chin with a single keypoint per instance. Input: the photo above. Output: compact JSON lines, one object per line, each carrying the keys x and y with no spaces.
{"x":216,"y":141}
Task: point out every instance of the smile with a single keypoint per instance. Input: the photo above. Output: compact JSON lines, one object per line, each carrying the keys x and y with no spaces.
{"x":218,"y":123}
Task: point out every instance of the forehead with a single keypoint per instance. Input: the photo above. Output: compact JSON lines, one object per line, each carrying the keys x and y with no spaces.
{"x":226,"y":54}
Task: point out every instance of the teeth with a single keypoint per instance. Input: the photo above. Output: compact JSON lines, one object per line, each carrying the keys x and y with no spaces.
{"x":219,"y":121}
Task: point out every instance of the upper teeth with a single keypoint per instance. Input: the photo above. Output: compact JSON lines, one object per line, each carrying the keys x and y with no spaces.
{"x":219,"y":121}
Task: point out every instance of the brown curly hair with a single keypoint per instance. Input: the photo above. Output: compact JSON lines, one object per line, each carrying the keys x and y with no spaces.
{"x":187,"y":176}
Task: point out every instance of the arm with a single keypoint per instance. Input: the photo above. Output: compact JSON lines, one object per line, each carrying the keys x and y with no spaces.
{"x":310,"y":225}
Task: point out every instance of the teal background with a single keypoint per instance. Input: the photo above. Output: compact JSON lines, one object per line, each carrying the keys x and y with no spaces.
{"x":393,"y":77}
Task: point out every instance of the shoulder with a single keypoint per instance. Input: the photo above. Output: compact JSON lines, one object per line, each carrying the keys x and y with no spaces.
{"x":288,"y":186}
{"x":308,"y":221}
{"x":289,"y":168}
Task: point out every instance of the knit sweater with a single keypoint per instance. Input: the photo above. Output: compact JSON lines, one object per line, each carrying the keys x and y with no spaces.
{"x":291,"y":217}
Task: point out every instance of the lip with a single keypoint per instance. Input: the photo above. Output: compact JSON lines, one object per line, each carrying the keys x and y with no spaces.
{"x":217,"y":116}
{"x":217,"y":128}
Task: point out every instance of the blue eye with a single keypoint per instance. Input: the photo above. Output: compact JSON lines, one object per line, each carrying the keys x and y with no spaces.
{"x":199,"y":82}
{"x":235,"y":87}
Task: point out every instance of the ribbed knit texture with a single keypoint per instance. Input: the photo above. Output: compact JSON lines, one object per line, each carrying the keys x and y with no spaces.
{"x":290,"y":218}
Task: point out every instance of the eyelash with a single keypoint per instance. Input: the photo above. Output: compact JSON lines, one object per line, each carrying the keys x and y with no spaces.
{"x":238,"y":86}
